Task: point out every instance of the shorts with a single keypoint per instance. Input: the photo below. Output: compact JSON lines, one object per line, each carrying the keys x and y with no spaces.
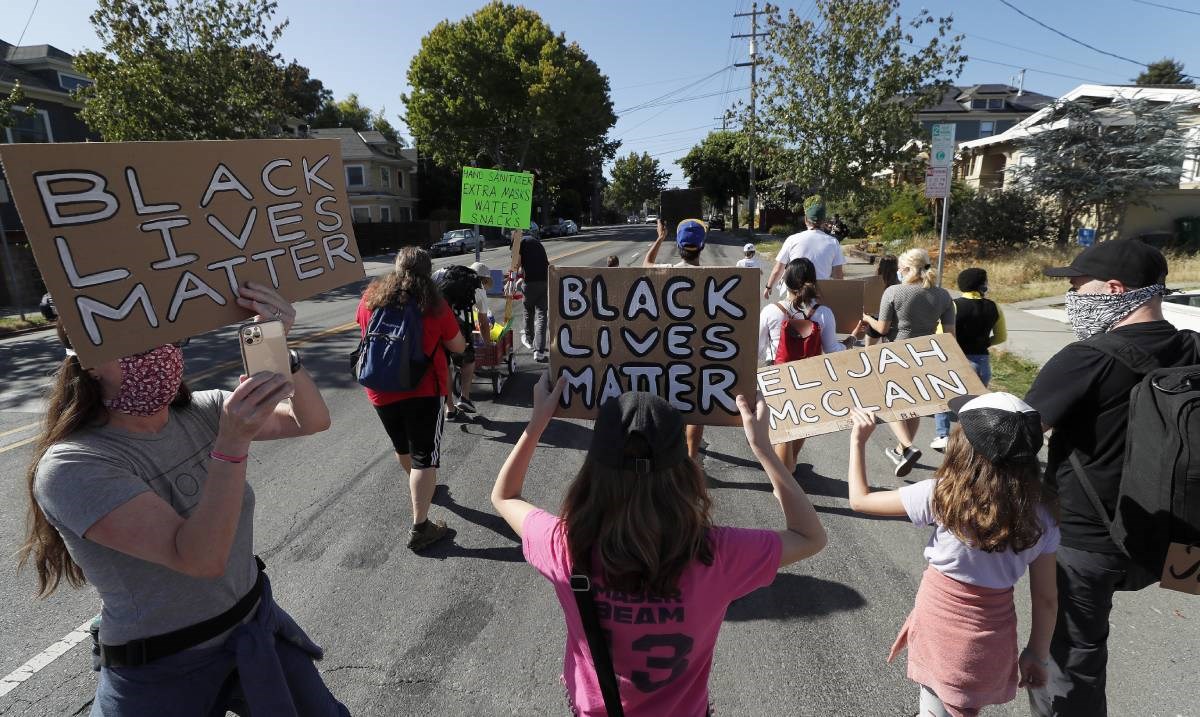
{"x":468,"y":354}
{"x":415,"y":427}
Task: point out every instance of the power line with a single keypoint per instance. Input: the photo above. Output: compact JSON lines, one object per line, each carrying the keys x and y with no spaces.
{"x":657,"y":82}
{"x":976,"y":58}
{"x":1167,"y":7}
{"x":679,"y":100}
{"x":27,"y":21}
{"x":654,"y":101}
{"x":664,"y":134}
{"x":1035,"y":52}
{"x":1060,"y":33}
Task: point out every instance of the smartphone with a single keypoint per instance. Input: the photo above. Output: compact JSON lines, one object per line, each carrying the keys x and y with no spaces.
{"x":264,"y":348}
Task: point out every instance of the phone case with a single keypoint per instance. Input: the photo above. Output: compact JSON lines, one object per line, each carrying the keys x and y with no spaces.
{"x":264,"y":348}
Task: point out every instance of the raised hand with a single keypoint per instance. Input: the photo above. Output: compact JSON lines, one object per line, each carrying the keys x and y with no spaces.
{"x":268,"y":303}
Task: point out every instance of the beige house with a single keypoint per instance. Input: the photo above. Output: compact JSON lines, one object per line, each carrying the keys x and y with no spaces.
{"x":381,"y":176}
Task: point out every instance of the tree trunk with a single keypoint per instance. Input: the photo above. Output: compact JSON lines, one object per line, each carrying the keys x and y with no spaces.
{"x":734,"y":218}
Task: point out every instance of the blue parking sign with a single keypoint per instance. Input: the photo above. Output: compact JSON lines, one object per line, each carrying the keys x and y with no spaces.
{"x":1087,"y":236}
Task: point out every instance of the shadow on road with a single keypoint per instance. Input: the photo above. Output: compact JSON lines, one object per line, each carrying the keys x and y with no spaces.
{"x":795,"y":596}
{"x":491,"y":521}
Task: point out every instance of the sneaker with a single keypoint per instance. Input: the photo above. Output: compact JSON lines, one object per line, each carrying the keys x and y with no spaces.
{"x":526,"y":342}
{"x":465,"y":405}
{"x":939,"y":443}
{"x":541,"y":356}
{"x":908,"y":460}
{"x":895,"y":457}
{"x":433,"y":531}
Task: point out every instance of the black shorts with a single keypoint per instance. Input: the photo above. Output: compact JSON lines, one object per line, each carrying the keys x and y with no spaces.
{"x":468,"y":354}
{"x":415,"y":427}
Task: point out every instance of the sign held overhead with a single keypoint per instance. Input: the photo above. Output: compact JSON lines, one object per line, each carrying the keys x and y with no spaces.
{"x":144,"y":243}
{"x":493,"y":198}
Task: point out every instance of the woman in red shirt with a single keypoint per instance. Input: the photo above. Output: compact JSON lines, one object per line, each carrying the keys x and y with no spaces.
{"x":413,"y":419}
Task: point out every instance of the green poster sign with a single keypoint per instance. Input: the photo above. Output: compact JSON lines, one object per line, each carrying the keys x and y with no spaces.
{"x":496,"y":199}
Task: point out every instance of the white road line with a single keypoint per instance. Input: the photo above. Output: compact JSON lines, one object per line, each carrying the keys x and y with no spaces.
{"x":9,"y":682}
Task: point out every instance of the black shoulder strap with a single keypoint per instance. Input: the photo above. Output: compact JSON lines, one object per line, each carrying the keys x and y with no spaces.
{"x":1094,"y":499}
{"x":581,"y":585}
{"x":1125,"y":351}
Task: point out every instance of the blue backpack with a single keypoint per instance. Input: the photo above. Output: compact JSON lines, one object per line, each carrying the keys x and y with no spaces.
{"x":389,"y":356}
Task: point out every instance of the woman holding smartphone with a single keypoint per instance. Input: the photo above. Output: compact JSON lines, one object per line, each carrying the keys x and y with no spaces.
{"x":138,"y":486}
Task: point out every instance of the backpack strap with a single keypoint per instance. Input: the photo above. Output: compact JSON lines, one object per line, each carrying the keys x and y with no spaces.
{"x":581,"y":586}
{"x":1125,"y":351}
{"x":1094,"y":499}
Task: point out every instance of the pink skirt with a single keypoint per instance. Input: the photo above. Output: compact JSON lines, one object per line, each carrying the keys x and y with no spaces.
{"x":962,"y":643}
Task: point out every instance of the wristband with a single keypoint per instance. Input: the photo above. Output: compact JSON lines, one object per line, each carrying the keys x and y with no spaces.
{"x":235,"y":460}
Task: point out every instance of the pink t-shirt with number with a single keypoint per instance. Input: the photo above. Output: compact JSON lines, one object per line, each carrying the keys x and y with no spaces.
{"x":662,"y":647}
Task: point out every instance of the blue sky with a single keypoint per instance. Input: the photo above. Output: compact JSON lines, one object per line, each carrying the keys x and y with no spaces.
{"x":649,"y":48}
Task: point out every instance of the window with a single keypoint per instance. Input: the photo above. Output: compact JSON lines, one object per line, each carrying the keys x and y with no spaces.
{"x":385,"y":214}
{"x":996,"y":103}
{"x":385,"y":177}
{"x":979,"y":104}
{"x":987,"y":129}
{"x":354,"y":176}
{"x":405,"y":214}
{"x":28,"y":127}
{"x":361,"y":214}
{"x":400,"y":179}
{"x":71,"y":82}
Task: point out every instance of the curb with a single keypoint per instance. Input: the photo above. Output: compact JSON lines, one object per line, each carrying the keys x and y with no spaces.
{"x":29,"y":330}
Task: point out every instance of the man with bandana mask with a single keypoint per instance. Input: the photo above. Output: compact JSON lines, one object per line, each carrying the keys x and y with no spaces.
{"x":1083,"y":394}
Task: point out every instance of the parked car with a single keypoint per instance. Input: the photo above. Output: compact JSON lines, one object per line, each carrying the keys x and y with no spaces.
{"x":457,"y":241}
{"x":633,"y":219}
{"x":651,"y":218}
{"x":570,"y":227}
{"x":552,"y":230}
{"x":717,"y":222}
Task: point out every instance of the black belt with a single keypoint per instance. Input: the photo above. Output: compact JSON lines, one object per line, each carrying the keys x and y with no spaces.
{"x":148,"y":649}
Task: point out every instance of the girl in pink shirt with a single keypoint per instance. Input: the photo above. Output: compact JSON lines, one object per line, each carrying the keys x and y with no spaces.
{"x":993,"y":520}
{"x":637,"y":521}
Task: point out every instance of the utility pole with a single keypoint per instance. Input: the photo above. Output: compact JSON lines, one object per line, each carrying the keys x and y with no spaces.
{"x":753,"y":65}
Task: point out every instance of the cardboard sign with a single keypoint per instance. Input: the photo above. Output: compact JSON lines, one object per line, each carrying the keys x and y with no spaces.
{"x":675,"y":205}
{"x":494,"y":198}
{"x":144,"y":243}
{"x":1182,"y":569}
{"x":903,"y":379}
{"x":688,"y":334}
{"x":848,"y":299}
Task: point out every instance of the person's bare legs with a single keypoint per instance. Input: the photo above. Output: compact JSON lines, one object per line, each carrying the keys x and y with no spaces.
{"x":422,"y":483}
{"x":905,"y":431}
{"x":694,"y":434}
{"x":789,"y":453}
{"x":465,"y":378}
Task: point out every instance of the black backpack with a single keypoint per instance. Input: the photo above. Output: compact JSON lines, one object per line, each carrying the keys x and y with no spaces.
{"x":1158,"y":502}
{"x":458,"y":284}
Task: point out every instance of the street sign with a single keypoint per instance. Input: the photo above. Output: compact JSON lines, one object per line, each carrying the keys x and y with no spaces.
{"x":1087,"y":236}
{"x":937,"y":183}
{"x":941,"y":148}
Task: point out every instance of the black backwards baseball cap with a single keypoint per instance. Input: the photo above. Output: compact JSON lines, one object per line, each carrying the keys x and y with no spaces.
{"x":648,"y":415}
{"x":1134,"y":263}
{"x":1001,"y":426}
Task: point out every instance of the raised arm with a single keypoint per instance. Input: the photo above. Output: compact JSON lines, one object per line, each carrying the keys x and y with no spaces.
{"x":652,"y":255}
{"x":884,"y":502}
{"x":804,"y":536}
{"x":506,"y":493}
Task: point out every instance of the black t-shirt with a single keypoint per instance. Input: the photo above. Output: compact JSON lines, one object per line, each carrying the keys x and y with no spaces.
{"x":533,"y":260}
{"x":1084,"y":395}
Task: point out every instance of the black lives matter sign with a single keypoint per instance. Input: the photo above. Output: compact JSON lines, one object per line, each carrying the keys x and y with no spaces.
{"x":686,"y":334}
{"x":144,"y":243}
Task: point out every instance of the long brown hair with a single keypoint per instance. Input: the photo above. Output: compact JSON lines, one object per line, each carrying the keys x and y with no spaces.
{"x":646,"y":529}
{"x":990,"y":507}
{"x":411,"y":279}
{"x":800,"y":278}
{"x":74,"y":402}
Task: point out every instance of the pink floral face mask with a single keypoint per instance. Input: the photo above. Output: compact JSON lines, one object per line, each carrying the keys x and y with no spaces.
{"x":149,"y":381}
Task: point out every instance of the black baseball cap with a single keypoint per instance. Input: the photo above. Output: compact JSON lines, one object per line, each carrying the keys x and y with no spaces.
{"x":1001,"y":426}
{"x":658,"y":422}
{"x":1134,"y":263}
{"x":973,"y":279}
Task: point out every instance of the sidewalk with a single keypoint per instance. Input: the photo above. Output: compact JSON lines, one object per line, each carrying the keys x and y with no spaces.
{"x":1036,"y":337}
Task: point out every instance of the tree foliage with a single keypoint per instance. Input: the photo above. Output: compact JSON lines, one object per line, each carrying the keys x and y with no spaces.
{"x":1164,"y":72}
{"x":841,"y":89}
{"x":1104,"y":157}
{"x":636,"y":179}
{"x":500,"y":88}
{"x":719,"y":166}
{"x":184,"y":69}
{"x":997,"y":220}
{"x":306,"y":95}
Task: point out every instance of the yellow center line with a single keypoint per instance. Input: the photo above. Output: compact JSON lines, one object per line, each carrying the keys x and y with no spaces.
{"x":18,"y":444}
{"x":19,"y":429}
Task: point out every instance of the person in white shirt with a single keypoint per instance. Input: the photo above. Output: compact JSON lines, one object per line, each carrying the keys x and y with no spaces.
{"x":820,"y":248}
{"x":751,"y":261}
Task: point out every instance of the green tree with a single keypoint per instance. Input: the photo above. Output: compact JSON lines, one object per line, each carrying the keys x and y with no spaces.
{"x":841,"y":89}
{"x":16,"y":96}
{"x":1164,"y":72}
{"x":636,"y":179}
{"x":500,"y":88}
{"x":353,"y":114}
{"x":184,"y":69}
{"x":1102,"y":159}
{"x":306,"y":95}
{"x":718,"y":165}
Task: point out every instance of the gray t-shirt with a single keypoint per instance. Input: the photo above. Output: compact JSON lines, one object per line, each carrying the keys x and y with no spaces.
{"x":83,"y":479}
{"x":915,"y":310}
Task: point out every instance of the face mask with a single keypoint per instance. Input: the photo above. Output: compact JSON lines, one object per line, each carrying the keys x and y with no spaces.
{"x":900,"y":277}
{"x":1092,"y":314}
{"x":149,"y":381}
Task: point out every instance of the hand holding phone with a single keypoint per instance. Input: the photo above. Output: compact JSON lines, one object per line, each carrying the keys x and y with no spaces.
{"x":264,"y":348}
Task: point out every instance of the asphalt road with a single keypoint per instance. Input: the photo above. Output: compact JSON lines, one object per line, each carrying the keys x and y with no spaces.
{"x":469,"y":629}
